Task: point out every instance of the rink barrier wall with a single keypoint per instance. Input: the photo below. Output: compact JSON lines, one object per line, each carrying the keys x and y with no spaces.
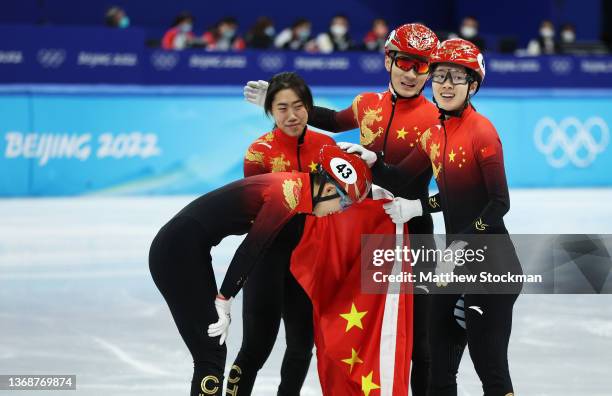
{"x":75,"y":140}
{"x":94,"y":55}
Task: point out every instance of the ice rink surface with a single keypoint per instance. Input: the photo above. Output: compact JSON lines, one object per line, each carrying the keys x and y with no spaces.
{"x":76,"y":297}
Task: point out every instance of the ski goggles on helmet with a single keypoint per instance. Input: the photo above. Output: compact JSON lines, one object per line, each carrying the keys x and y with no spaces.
{"x":407,"y":63}
{"x":457,"y":77}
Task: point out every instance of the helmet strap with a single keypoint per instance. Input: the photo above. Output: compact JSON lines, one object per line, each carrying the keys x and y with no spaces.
{"x":324,"y":179}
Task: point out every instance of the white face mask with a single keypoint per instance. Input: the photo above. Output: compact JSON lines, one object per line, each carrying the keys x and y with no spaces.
{"x":568,"y":36}
{"x":468,"y":31}
{"x":303,"y":34}
{"x":338,"y":30}
{"x":185,"y":27}
{"x":547,"y":33}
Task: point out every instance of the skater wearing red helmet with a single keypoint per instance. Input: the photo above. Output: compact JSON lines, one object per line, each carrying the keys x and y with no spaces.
{"x":465,"y":153}
{"x":291,"y":146}
{"x":260,"y":206}
{"x":392,"y":122}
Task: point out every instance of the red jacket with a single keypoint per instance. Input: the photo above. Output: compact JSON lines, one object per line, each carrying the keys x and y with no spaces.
{"x":277,"y":152}
{"x":237,"y":43}
{"x":170,"y":36}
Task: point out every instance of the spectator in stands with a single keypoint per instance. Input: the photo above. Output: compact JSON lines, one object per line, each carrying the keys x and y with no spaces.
{"x":261,"y":34}
{"x":180,"y":35}
{"x":567,"y":34}
{"x":224,"y":36}
{"x":116,"y":17}
{"x":375,"y":39}
{"x":297,"y":38}
{"x":469,"y":31}
{"x":545,"y":43}
{"x":337,"y":38}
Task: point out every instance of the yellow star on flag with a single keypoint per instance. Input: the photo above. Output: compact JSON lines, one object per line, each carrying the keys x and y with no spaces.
{"x":353,"y":360}
{"x":312,"y":166}
{"x":451,"y":156}
{"x":353,"y":318}
{"x":401,"y":134}
{"x":367,"y":385}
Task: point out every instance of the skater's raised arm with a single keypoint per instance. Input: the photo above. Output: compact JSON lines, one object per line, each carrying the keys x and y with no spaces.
{"x":332,"y":120}
{"x":319,"y":117}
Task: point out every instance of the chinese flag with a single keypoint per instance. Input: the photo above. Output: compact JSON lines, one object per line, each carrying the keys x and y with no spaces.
{"x":487,"y":152}
{"x":364,"y":341}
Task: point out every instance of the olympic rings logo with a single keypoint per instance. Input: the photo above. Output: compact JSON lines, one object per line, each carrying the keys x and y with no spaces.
{"x":51,"y":57}
{"x":571,"y":140}
{"x":271,"y":63}
{"x":164,"y":61}
{"x":372,"y":63}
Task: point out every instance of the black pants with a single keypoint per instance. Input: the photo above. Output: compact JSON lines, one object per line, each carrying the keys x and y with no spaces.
{"x":271,"y":292}
{"x":420,"y":229}
{"x":486,"y":335}
{"x":181,"y":267}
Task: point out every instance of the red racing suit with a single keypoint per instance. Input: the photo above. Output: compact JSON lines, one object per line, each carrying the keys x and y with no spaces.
{"x":465,"y":155}
{"x":393,"y":126}
{"x":277,"y":152}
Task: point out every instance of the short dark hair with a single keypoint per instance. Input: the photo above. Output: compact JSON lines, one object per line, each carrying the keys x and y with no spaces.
{"x":182,"y":17}
{"x":299,"y":22}
{"x":229,"y":20}
{"x":111,"y":15}
{"x":288,"y":80}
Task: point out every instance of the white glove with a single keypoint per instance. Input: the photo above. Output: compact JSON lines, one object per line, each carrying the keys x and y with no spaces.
{"x":448,"y":266}
{"x":368,"y":156}
{"x":255,"y":92}
{"x":402,"y":210}
{"x":221,"y":327}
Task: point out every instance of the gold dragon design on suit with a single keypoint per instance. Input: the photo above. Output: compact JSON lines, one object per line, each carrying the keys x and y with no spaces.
{"x":367,"y":136}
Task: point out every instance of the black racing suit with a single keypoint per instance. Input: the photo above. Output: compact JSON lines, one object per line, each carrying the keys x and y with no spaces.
{"x":180,"y":260}
{"x":465,"y":154}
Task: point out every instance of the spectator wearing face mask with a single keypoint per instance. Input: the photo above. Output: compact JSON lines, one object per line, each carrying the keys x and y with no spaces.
{"x":375,"y":39}
{"x":545,"y":43}
{"x":261,"y":34}
{"x":224,"y":36}
{"x":298,"y":37}
{"x":116,"y":17}
{"x":337,"y":38}
{"x":568,"y":34}
{"x":469,"y":31}
{"x":180,"y":35}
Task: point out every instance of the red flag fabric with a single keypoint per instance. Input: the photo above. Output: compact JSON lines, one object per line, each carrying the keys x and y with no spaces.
{"x":364,"y":341}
